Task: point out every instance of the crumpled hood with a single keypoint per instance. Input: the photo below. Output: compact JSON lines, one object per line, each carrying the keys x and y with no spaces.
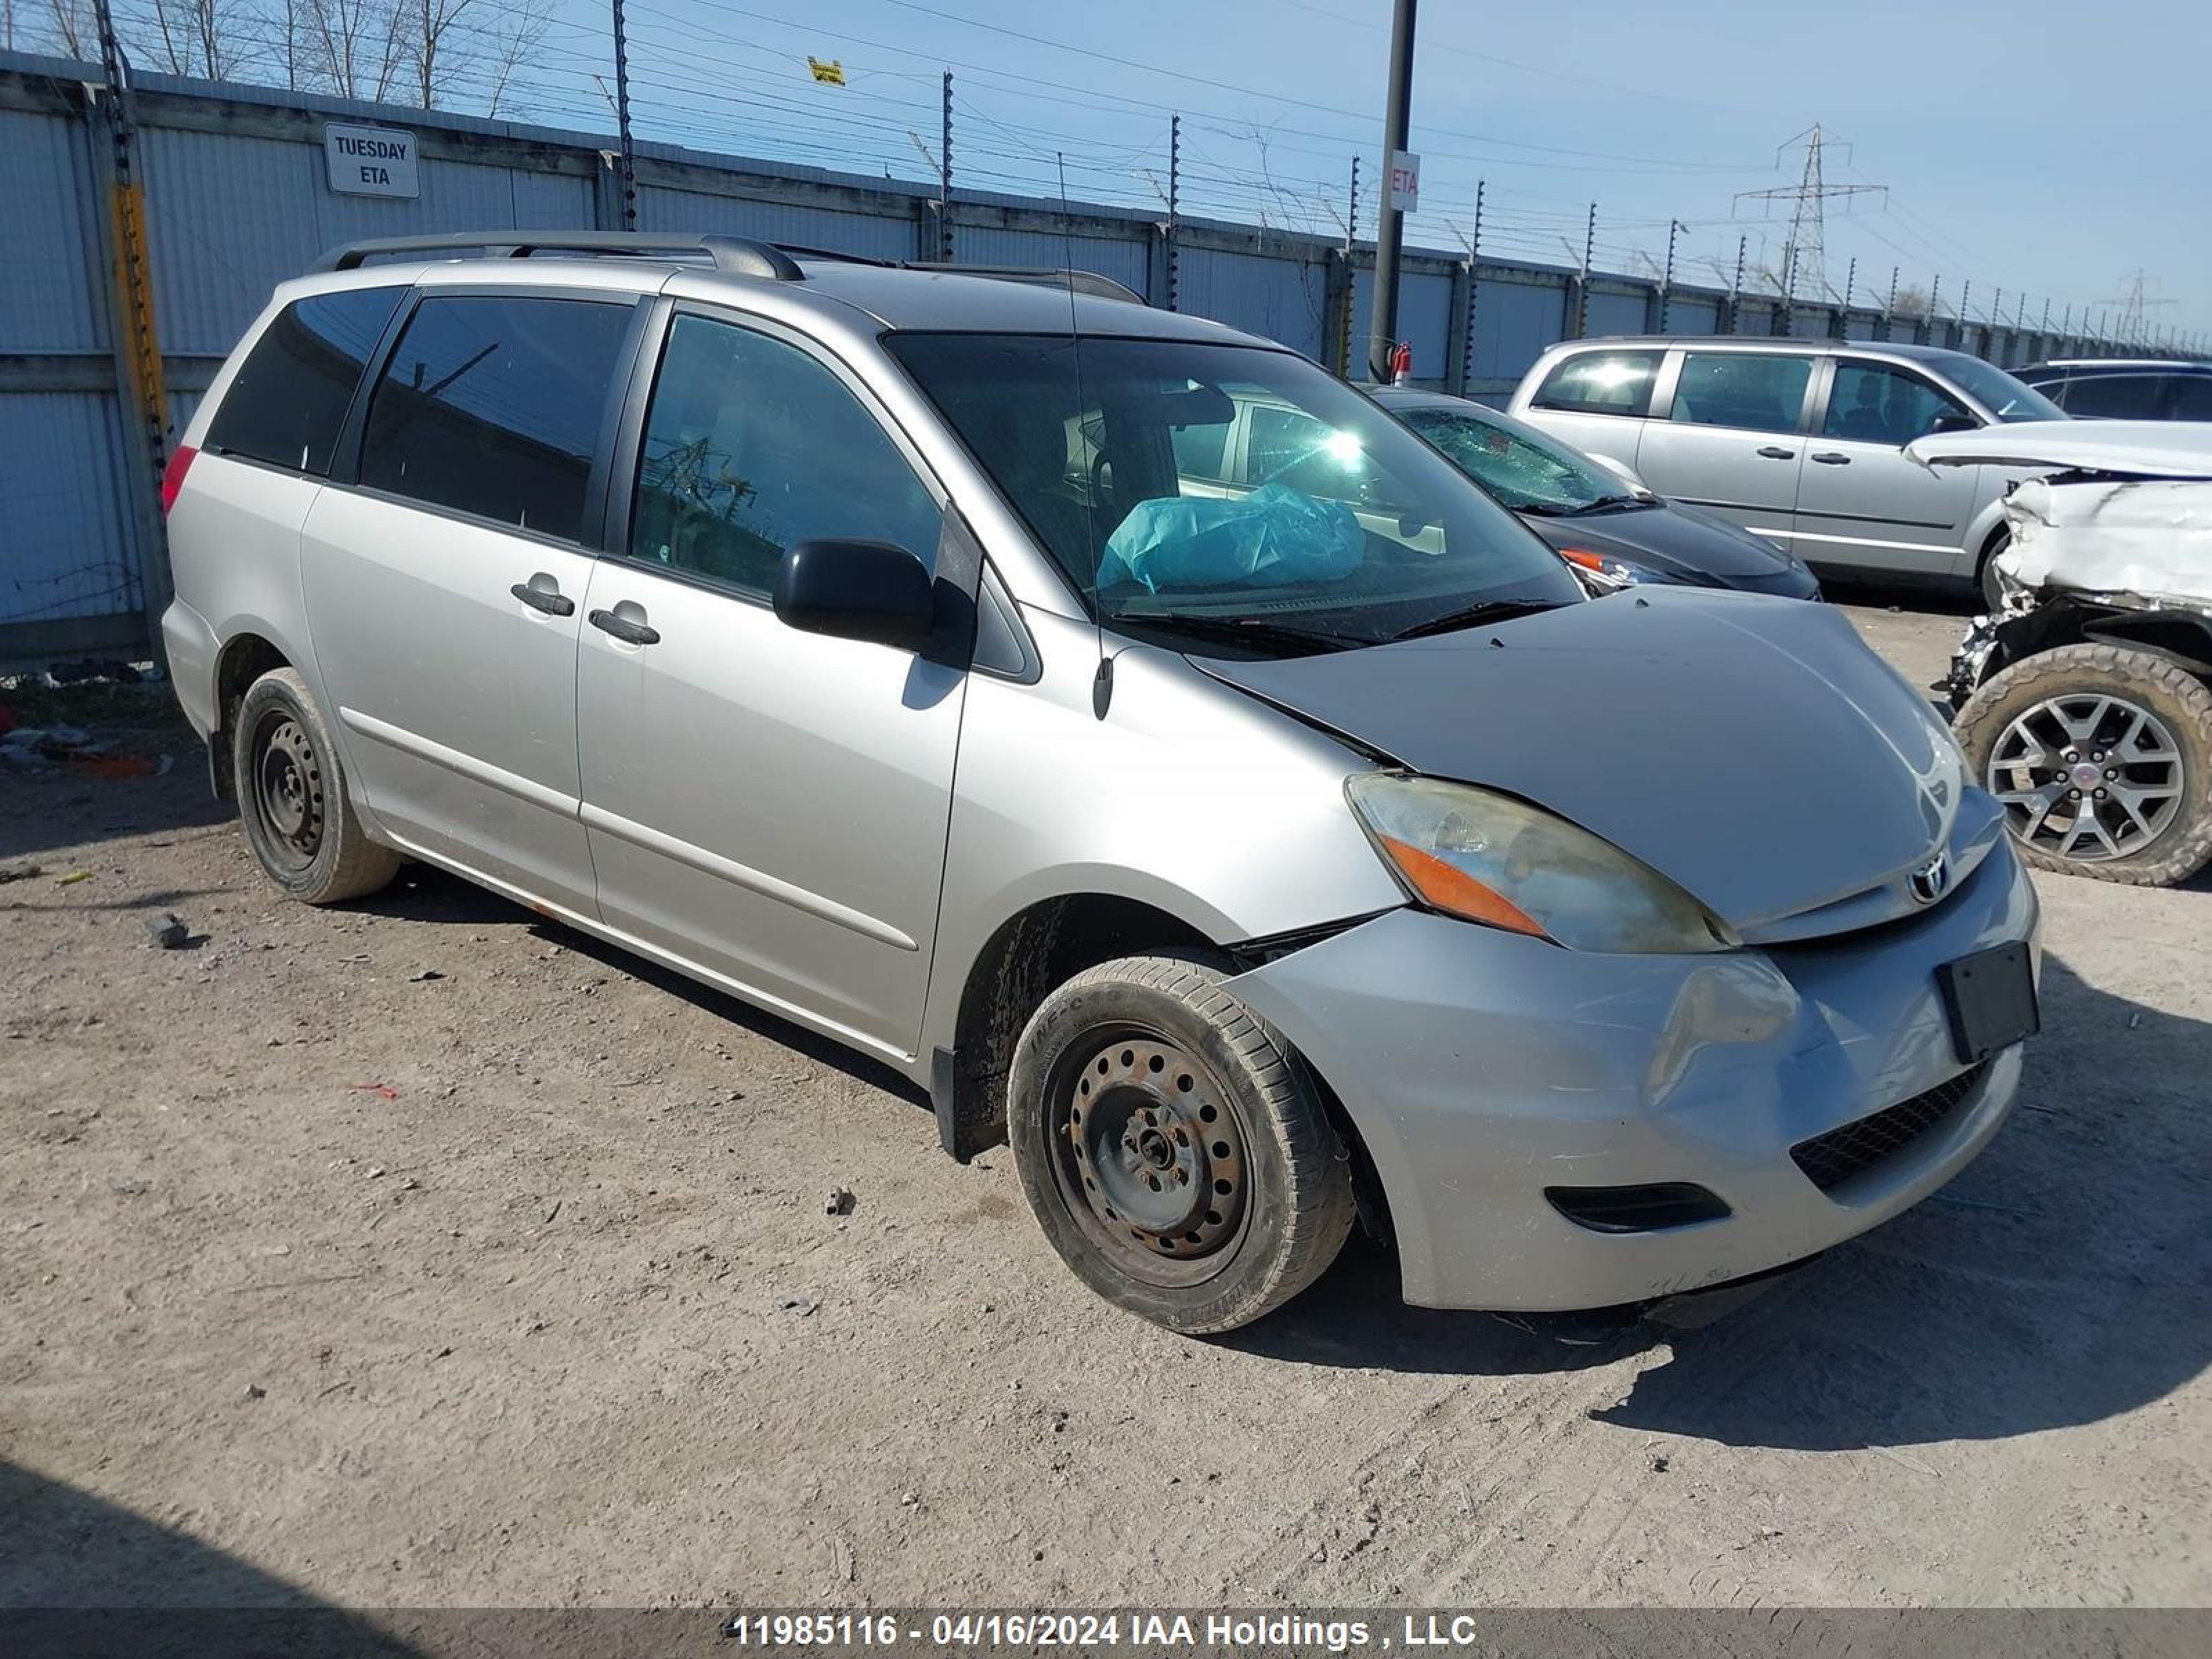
{"x":1752,"y":748}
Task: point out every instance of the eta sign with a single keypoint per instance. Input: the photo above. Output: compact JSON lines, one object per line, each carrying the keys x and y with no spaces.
{"x":372,"y":161}
{"x":1405,"y":181}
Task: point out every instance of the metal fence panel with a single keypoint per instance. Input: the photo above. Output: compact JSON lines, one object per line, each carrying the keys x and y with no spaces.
{"x":1614,"y":313}
{"x":1693,"y":314}
{"x":49,"y":246}
{"x":61,"y":471}
{"x":1126,"y":259}
{"x":1513,"y":323}
{"x":1263,"y":294}
{"x":662,"y":207}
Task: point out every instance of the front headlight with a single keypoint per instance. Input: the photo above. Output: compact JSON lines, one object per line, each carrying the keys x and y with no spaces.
{"x":1488,"y":858}
{"x":1604,"y":573}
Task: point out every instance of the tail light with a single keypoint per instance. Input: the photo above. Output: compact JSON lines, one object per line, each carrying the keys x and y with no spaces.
{"x":173,"y":475}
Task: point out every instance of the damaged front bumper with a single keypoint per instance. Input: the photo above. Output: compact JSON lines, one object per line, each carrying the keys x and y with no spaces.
{"x":1487,"y":1072}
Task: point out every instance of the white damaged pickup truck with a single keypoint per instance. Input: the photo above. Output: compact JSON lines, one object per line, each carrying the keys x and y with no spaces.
{"x":2084,"y":702}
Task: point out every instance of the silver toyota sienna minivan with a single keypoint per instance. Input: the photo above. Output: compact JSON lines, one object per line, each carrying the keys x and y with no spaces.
{"x":1260,"y":841}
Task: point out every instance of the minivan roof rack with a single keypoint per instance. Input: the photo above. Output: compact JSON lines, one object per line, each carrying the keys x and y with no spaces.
{"x":738,"y":255}
{"x":735,"y":254}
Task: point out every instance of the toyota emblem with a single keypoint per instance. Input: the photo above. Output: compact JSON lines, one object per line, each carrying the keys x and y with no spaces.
{"x":1931,"y":880}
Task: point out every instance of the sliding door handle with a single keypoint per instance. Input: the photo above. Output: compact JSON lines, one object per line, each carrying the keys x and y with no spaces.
{"x":1830,"y":458}
{"x":1777,"y":452}
{"x":541,"y":592}
{"x":622,"y":628}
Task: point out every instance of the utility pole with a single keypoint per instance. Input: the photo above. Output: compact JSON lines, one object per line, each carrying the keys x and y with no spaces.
{"x":1667,"y":281}
{"x":1806,"y":254}
{"x":626,"y":156}
{"x":945,"y":178}
{"x":1389,"y":225}
{"x":1174,"y":206}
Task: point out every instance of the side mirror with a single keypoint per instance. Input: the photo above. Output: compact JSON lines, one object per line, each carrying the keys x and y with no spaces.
{"x":1954,"y":420}
{"x":868,"y":591}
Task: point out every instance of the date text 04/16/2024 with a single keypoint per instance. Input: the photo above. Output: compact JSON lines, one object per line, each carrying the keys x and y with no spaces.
{"x":1094,"y":1630}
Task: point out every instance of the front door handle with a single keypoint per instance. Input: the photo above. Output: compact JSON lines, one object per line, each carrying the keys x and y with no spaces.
{"x":1830,"y":458}
{"x":1777,"y":452}
{"x":636,"y":633}
{"x":541,"y":592}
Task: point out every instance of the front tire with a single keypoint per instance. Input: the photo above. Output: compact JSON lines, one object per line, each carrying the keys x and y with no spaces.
{"x":1986,"y":577}
{"x":1174,"y":1148}
{"x":2102,"y":757}
{"x":292,"y":797}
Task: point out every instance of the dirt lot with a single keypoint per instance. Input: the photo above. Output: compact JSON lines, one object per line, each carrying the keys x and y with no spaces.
{"x":422,"y":1253}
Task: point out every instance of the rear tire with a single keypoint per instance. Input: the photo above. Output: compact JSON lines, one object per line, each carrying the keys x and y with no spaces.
{"x":1174,"y":1148}
{"x":292,"y":797}
{"x":2153,"y":827}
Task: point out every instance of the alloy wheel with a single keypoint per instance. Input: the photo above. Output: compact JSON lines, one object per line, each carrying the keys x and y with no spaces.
{"x":2087,"y":775}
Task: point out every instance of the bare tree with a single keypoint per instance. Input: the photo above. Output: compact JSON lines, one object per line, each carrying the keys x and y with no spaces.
{"x":1910,"y":302}
{"x":215,"y":38}
{"x":357,"y":48}
{"x":76,"y":30}
{"x":478,"y":57}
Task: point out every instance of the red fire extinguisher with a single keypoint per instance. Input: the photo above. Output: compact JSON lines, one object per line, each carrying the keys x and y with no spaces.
{"x":1401,"y":362}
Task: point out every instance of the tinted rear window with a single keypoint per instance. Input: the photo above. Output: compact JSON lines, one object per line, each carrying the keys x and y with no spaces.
{"x":288,"y":398}
{"x":1601,"y":383}
{"x":2115,"y":397}
{"x":490,"y":406}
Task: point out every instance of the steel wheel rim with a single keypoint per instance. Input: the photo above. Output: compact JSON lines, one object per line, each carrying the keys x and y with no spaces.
{"x":2088,"y":776}
{"x":1150,"y":1156}
{"x":288,"y":790}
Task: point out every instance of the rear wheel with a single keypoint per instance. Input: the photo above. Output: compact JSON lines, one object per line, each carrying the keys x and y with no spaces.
{"x":2102,"y":758}
{"x":1173,"y":1147}
{"x":292,"y":797}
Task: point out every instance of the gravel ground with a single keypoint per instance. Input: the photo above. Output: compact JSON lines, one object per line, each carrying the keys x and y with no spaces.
{"x":422,"y":1253}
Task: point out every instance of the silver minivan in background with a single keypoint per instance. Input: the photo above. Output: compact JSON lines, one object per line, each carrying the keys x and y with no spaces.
{"x":1801,"y":441}
{"x":1257,"y":847}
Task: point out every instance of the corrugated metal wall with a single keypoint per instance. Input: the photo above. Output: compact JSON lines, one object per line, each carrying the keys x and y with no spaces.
{"x":237,"y":200}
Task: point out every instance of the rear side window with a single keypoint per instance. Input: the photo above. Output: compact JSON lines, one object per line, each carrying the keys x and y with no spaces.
{"x":288,"y":398}
{"x":1754,"y":390}
{"x":491,"y":405}
{"x":2192,"y":397}
{"x":2114,"y":397}
{"x":1601,"y":383}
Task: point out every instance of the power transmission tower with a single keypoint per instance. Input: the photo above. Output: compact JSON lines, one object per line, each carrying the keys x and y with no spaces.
{"x":1804,"y":256}
{"x":2132,"y":304}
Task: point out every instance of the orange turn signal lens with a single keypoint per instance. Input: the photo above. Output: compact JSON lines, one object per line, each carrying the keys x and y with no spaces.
{"x":1451,"y":890}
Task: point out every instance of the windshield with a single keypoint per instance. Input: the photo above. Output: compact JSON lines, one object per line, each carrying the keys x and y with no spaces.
{"x":1528,"y":472}
{"x":2007,"y":398}
{"x":1229,"y":495}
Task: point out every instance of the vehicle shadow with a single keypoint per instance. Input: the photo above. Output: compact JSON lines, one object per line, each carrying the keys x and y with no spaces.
{"x":2065,"y":1277}
{"x":77,"y":1575}
{"x":424,"y":894}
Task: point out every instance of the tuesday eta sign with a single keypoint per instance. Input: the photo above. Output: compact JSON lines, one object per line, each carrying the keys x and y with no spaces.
{"x":372,"y":161}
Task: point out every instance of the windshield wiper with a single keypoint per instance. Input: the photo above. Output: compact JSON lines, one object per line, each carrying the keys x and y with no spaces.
{"x":1256,"y":630}
{"x":1605,"y":504}
{"x":1473,"y":616}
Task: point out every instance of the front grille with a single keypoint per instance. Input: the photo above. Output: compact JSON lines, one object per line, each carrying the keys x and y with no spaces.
{"x":1831,"y":1159}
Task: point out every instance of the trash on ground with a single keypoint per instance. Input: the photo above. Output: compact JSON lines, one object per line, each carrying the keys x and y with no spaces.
{"x":799,"y":1305}
{"x":166,"y":932}
{"x":21,"y":872}
{"x":841,"y":1202}
{"x":383,"y":1089}
{"x":75,"y":877}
